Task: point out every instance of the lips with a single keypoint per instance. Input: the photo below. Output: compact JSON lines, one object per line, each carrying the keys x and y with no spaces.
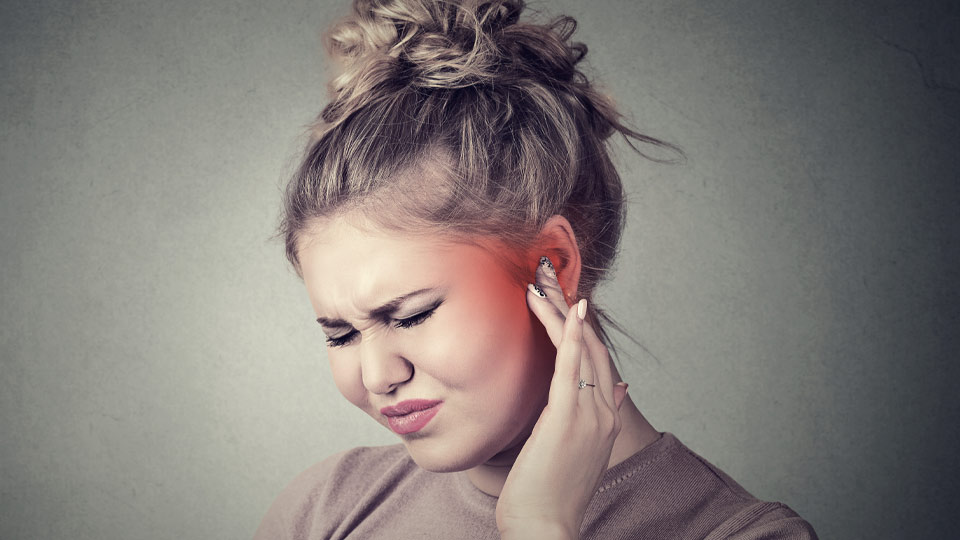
{"x":410,"y":416}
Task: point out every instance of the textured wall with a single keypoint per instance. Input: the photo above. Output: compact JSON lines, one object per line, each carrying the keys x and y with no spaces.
{"x":795,"y":282}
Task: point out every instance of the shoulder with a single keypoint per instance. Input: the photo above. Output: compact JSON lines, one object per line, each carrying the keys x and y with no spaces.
{"x":756,"y":519}
{"x":670,"y":490}
{"x":311,"y":497}
{"x":751,"y":518}
{"x":765,"y":521}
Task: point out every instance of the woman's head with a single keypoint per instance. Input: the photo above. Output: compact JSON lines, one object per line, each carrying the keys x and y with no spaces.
{"x":413,"y":321}
{"x":455,"y":130}
{"x":458,"y":118}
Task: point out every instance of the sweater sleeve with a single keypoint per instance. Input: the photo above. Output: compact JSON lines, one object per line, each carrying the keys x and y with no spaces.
{"x":764,"y":521}
{"x":289,"y":510}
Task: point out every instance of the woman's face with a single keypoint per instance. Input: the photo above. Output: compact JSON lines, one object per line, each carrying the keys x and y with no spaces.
{"x":432,"y":339}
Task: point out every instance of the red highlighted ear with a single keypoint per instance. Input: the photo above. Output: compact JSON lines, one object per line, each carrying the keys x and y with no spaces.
{"x":558,"y":242}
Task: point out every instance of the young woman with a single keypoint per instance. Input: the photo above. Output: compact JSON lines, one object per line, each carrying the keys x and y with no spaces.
{"x":452,"y":216}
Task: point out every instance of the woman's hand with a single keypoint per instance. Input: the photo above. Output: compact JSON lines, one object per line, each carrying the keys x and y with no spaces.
{"x":559,"y":468}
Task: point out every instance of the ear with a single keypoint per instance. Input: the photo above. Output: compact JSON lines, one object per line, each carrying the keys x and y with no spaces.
{"x":557,"y":241}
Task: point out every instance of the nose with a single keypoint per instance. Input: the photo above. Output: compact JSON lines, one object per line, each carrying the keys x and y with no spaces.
{"x":382,"y":367}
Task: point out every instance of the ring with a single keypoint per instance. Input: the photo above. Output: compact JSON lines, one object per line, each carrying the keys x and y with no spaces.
{"x":582,"y":384}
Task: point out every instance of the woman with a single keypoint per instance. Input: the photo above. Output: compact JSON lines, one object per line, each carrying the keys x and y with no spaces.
{"x":452,"y":216}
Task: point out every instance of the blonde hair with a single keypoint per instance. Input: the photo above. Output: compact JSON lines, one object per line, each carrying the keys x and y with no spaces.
{"x":458,"y":117}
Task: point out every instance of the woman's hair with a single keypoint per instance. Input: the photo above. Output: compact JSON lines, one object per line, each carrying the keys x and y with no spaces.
{"x":458,"y":118}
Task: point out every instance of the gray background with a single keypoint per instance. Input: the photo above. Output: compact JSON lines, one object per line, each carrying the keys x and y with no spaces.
{"x":795,"y":281}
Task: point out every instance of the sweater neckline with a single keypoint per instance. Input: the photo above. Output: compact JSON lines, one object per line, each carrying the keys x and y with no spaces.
{"x":611,"y":477}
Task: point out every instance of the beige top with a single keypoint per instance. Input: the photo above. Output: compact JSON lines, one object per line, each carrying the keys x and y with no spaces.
{"x":663,"y":491}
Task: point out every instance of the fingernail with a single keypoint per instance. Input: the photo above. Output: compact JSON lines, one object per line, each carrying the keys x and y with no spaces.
{"x":537,"y":290}
{"x":582,"y":308}
{"x":548,"y":268}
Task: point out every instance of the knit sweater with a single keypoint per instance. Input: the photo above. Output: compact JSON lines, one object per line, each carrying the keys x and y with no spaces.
{"x":663,"y":491}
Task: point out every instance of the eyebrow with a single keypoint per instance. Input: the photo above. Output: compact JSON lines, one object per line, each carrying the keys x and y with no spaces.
{"x":380,"y":312}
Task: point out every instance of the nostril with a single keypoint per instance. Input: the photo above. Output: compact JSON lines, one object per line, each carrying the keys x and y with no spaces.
{"x":383,"y":374}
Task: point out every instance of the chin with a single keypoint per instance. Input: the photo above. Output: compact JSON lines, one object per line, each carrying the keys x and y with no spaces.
{"x":439,"y":462}
{"x":435,"y":456}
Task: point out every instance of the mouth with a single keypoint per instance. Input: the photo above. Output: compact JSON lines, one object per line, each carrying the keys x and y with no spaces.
{"x":411,"y":416}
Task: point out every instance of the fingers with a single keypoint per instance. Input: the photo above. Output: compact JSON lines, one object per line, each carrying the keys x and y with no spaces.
{"x":567,"y":370}
{"x":543,"y":306}
{"x":587,"y":372}
{"x":550,"y":308}
{"x":547,"y":278}
{"x":619,"y":393}
{"x":545,"y":300}
{"x":601,"y":363}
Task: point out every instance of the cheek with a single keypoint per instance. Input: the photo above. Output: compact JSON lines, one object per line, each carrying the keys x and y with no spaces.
{"x":347,"y":377}
{"x":489,"y":339}
{"x":504,"y":319}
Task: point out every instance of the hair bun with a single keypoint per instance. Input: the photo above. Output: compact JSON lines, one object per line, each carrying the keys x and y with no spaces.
{"x":447,"y":44}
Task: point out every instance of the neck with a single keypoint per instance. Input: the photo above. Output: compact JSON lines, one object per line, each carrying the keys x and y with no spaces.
{"x":635,"y":434}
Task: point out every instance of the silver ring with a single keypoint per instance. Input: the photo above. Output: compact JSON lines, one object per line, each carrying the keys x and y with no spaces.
{"x":583,"y":384}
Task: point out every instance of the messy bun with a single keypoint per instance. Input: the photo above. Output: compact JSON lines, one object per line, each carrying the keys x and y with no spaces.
{"x":446,"y":45}
{"x":430,"y":45}
{"x":463,"y":117}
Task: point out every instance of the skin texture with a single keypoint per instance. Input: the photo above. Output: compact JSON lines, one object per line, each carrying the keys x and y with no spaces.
{"x":503,"y":360}
{"x":481,"y":351}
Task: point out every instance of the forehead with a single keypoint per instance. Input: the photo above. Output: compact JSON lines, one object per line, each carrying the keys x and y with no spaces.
{"x":334,"y":241}
{"x":346,"y":265}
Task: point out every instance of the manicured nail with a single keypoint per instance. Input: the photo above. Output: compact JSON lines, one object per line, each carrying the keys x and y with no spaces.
{"x":582,"y":308}
{"x":539,"y":292}
{"x":548,"y":268}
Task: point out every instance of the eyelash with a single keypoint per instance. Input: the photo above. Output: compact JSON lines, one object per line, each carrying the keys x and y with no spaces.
{"x":401,"y":323}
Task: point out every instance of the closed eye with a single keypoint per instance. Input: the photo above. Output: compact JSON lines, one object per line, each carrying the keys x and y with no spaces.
{"x":342,"y":340}
{"x":416,"y":319}
{"x":400,"y":323}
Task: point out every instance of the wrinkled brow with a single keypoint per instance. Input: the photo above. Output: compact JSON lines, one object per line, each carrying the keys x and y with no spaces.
{"x":385,"y":310}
